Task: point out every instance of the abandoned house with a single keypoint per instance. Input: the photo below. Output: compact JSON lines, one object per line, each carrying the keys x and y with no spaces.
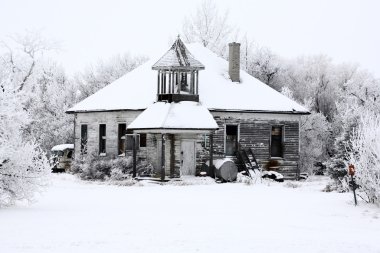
{"x":186,"y":108}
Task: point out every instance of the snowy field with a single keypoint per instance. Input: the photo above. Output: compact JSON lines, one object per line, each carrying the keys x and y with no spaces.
{"x":77,"y":216}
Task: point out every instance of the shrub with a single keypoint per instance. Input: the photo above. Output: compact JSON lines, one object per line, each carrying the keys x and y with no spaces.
{"x":93,"y":167}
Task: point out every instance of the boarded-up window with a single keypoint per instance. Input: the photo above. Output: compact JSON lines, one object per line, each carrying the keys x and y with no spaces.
{"x":277,"y":141}
{"x":231,"y":139}
{"x":122,"y":131}
{"x":205,"y":141}
{"x":140,"y":140}
{"x":83,"y":139}
{"x":130,"y":141}
{"x":102,"y":138}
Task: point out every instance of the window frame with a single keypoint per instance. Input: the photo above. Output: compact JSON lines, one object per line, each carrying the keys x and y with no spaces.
{"x":83,"y":144}
{"x":282,"y":126}
{"x":237,"y":137}
{"x":102,"y":140}
{"x":145,"y":138}
{"x":121,"y":138}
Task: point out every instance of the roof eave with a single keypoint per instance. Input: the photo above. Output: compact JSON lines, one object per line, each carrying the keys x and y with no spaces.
{"x":172,"y":130}
{"x":260,"y":111}
{"x":102,"y":110}
{"x":210,"y":109}
{"x":178,"y":68}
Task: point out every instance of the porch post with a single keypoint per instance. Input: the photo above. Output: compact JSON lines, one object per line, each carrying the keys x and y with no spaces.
{"x":134,"y":155}
{"x":211,"y":168}
{"x":196,"y":83}
{"x":162,"y":157}
{"x":172,"y":154}
{"x":158,"y":82}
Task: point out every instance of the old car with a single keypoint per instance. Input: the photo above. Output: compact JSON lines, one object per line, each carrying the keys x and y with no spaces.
{"x":61,"y":157}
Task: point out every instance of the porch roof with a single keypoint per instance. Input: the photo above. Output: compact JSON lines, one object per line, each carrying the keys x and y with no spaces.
{"x":184,"y":116}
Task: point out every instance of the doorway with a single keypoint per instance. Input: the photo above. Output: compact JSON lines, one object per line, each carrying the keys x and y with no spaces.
{"x":187,"y":157}
{"x":231,"y":139}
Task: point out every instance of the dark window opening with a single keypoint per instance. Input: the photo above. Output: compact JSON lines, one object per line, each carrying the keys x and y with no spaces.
{"x":142,"y":140}
{"x":102,"y":138}
{"x":183,"y":80}
{"x":277,"y":141}
{"x":122,"y":131}
{"x":70,"y":154}
{"x":184,"y":83}
{"x":83,"y":139}
{"x":231,"y":140}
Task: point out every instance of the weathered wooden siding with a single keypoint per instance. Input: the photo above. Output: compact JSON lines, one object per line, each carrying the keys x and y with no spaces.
{"x":255,"y":133}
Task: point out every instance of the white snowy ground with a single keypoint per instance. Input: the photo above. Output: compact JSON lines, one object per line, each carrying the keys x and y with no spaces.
{"x":77,"y":216}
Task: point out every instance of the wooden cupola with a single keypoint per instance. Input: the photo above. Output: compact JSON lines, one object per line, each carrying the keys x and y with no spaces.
{"x":178,"y":74}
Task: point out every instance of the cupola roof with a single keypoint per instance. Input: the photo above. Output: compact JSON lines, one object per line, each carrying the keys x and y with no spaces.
{"x":178,"y":57}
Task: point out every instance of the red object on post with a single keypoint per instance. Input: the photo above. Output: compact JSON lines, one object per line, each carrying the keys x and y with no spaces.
{"x":351,"y":170}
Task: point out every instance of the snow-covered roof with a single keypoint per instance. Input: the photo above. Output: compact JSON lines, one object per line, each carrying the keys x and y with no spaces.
{"x":138,"y":89}
{"x":178,"y":57}
{"x":179,"y":116}
{"x":62,"y":147}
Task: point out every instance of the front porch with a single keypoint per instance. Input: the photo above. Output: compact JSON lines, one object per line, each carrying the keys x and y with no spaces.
{"x":174,"y":129}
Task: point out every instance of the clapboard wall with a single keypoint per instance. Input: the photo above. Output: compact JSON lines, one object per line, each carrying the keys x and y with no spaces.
{"x":255,"y":133}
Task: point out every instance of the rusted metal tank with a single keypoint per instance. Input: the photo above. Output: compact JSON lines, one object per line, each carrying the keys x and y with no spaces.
{"x":225,"y":169}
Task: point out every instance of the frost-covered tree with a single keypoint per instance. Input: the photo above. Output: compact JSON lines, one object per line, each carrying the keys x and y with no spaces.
{"x":209,"y":27}
{"x":314,"y":78}
{"x":265,"y":66}
{"x":23,"y":165}
{"x":360,"y":93}
{"x":22,"y":55}
{"x":97,"y":77}
{"x":364,"y":153}
{"x":43,"y":90}
{"x":314,"y":136}
{"x":53,"y":95}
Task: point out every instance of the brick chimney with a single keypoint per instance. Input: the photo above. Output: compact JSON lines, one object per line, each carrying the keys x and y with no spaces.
{"x":234,"y":61}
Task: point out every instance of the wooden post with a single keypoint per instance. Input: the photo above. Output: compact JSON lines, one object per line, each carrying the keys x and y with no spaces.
{"x":173,"y":82}
{"x":192,"y":82}
{"x":211,"y":168}
{"x":178,"y":83}
{"x":134,"y":155}
{"x":162,"y":82}
{"x":170,"y":82}
{"x":158,"y":82}
{"x":354,"y":188}
{"x":197,"y":83}
{"x":172,"y":155}
{"x":162,"y":157}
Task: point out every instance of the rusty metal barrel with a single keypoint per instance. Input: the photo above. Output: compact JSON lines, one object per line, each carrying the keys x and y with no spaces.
{"x":225,"y":169}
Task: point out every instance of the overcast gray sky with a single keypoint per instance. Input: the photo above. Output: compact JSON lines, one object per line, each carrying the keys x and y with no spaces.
{"x":88,"y":30}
